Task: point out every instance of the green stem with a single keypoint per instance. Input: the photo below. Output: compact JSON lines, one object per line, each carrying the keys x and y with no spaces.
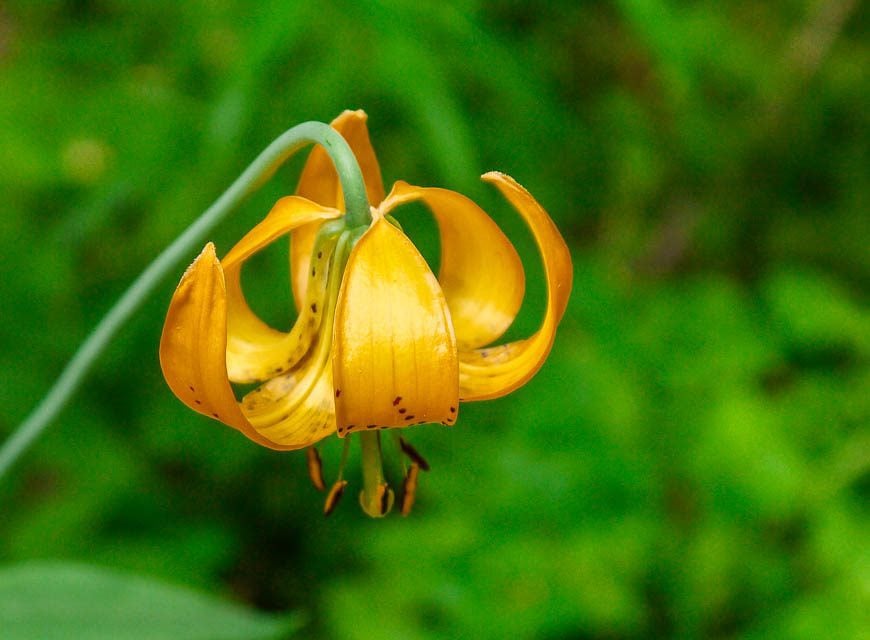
{"x":257,"y":174}
{"x":376,"y":498}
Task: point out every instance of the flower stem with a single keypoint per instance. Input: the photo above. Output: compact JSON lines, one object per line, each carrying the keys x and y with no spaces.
{"x":257,"y":174}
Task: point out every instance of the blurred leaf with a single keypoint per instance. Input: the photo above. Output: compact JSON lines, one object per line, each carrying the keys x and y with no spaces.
{"x":44,"y":600}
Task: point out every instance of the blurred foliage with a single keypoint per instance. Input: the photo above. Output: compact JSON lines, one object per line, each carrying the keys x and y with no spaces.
{"x":57,"y":601}
{"x":691,"y":462}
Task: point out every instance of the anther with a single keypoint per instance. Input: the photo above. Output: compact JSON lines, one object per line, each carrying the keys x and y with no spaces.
{"x":385,"y":492}
{"x":409,"y":488}
{"x":315,"y":468}
{"x":334,"y":496}
{"x":413,"y":454}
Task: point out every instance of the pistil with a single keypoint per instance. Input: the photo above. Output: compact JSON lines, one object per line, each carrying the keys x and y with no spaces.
{"x":376,"y":497}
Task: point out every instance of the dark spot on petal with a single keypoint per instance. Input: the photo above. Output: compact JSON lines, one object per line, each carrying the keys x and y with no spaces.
{"x":216,"y":416}
{"x":279,"y":370}
{"x":402,"y":410}
{"x":371,"y":426}
{"x":314,"y":308}
{"x":397,"y":400}
{"x":337,"y":392}
{"x":198,"y":401}
{"x":452,"y":409}
{"x":314,"y":272}
{"x":319,"y":255}
{"x":409,"y":417}
{"x":191,"y":388}
{"x":422,"y":422}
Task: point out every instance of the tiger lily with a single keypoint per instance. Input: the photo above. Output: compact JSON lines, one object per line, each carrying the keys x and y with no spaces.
{"x":379,"y":342}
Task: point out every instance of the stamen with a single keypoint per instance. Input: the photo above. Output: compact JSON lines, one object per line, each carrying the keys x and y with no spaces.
{"x":409,"y":488}
{"x":334,"y":496}
{"x":385,"y":492}
{"x":315,"y":468}
{"x":413,"y":454}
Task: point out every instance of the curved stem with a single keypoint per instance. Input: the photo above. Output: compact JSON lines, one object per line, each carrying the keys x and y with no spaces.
{"x":257,"y":174}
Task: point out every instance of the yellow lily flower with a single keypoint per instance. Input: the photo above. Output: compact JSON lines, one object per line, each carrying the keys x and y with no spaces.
{"x":380,"y":342}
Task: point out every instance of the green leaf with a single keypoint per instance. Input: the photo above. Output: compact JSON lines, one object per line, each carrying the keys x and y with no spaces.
{"x":48,"y":600}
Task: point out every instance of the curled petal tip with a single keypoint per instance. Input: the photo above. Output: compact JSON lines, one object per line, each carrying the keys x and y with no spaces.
{"x":358,"y":113}
{"x":495,"y":176}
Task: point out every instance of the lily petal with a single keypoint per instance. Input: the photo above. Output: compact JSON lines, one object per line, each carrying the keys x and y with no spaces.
{"x":295,"y":410}
{"x":495,"y":371}
{"x":394,"y":351}
{"x":193,"y":346}
{"x":256,"y":351}
{"x":481,"y":274}
{"x":319,"y":182}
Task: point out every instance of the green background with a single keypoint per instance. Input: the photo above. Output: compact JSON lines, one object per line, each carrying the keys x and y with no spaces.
{"x":692,"y":459}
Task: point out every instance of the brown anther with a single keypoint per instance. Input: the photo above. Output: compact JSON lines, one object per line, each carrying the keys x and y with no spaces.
{"x":315,"y":468}
{"x":409,"y":488}
{"x":333,"y":496}
{"x":384,"y":491}
{"x":413,"y":454}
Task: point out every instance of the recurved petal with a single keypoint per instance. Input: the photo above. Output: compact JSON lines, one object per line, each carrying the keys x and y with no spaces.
{"x":193,"y":346}
{"x":481,"y":274}
{"x":319,"y":182}
{"x":495,"y":371}
{"x":256,"y":351}
{"x":295,"y":410}
{"x":301,"y":245}
{"x":394,"y":358}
